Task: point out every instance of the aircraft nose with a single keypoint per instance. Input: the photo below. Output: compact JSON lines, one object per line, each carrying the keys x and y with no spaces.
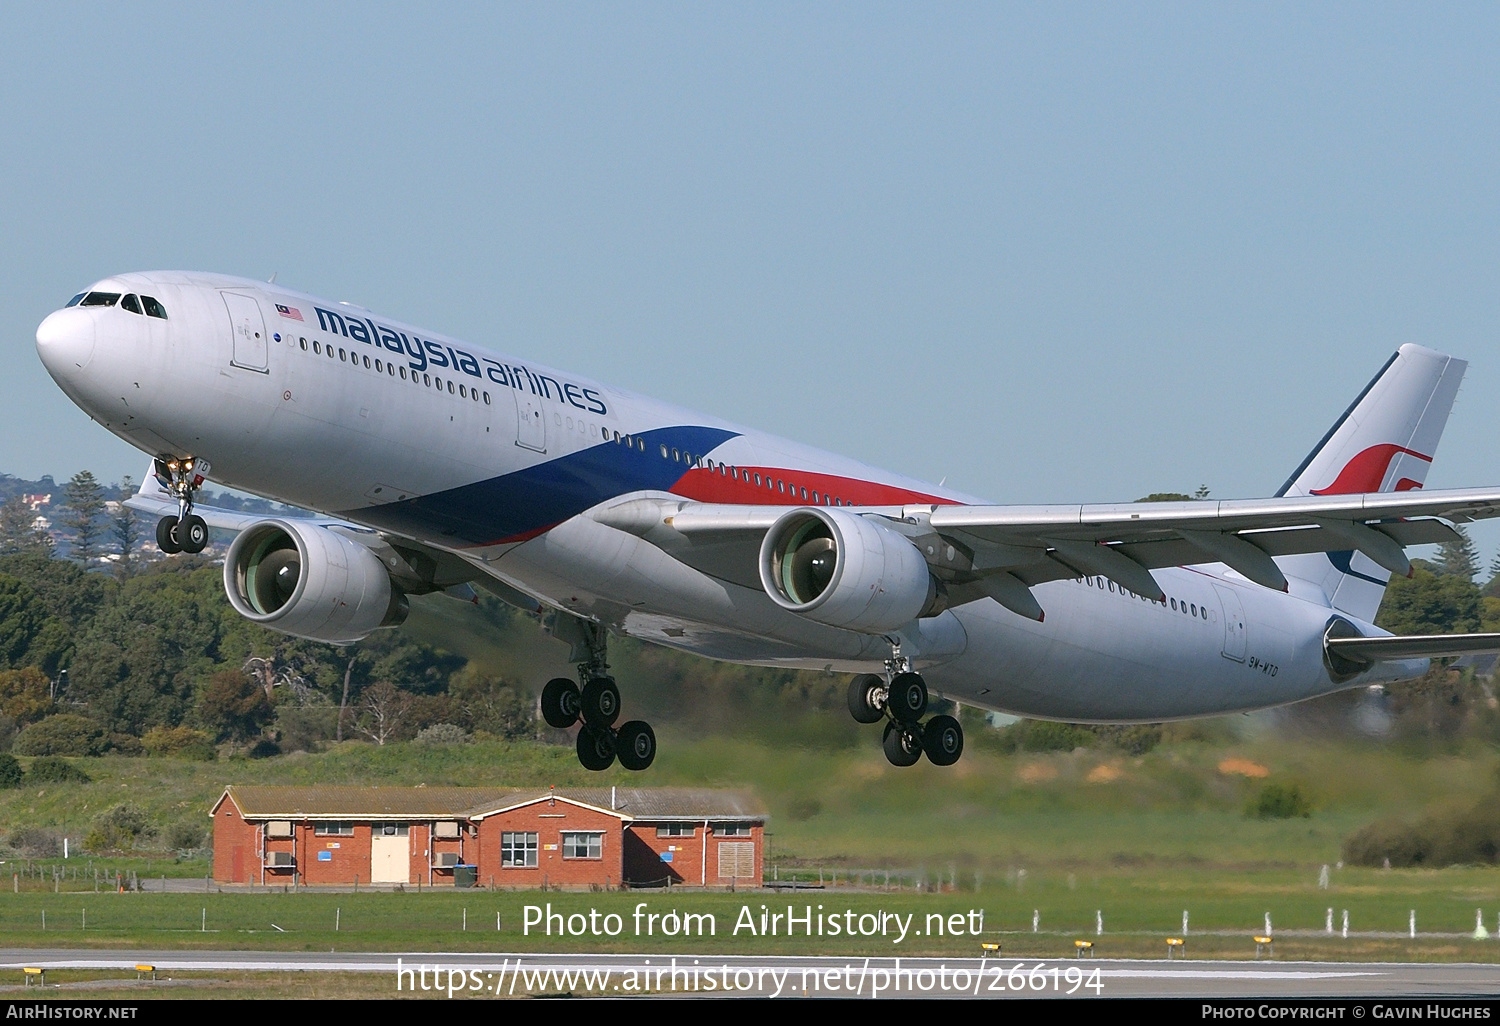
{"x":65,"y":341}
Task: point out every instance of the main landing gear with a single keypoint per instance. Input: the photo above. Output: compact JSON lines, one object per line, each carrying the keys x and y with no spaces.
{"x":597,"y":705}
{"x":186,"y":532}
{"x":900,"y":698}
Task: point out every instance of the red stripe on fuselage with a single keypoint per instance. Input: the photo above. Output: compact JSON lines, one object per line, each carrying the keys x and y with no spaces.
{"x":741,"y":490}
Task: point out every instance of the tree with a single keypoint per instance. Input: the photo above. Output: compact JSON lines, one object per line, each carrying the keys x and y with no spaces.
{"x":25,"y":694}
{"x":22,"y":619}
{"x":384,"y":711}
{"x":234,"y":705}
{"x":265,"y":672}
{"x":83,"y":508}
{"x":1430,"y":603}
{"x":18,"y":530}
{"x":125,"y":528}
{"x":493,"y":706}
{"x":1459,"y":557}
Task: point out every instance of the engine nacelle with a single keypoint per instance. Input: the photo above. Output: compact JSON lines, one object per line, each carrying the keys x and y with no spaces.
{"x":845,"y":570}
{"x":306,"y":580}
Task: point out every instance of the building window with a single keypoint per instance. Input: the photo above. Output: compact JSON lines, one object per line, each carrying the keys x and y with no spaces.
{"x":674,"y":830}
{"x":582,"y":845}
{"x":334,"y":830}
{"x":518,"y":850}
{"x":731,"y":829}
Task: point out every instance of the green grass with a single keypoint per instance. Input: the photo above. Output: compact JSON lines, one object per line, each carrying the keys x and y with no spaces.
{"x":1140,"y":911}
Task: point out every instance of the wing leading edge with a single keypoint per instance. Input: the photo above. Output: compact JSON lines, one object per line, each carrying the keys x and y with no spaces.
{"x":1001,"y":552}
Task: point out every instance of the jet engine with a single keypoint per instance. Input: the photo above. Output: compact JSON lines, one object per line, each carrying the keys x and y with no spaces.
{"x":306,"y":580}
{"x":845,"y":570}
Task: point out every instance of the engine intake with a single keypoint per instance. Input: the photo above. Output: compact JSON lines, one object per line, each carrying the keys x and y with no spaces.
{"x":846,"y":570}
{"x":309,"y":581}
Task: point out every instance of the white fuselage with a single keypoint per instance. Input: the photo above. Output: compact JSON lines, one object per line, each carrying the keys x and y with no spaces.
{"x":332,"y":408}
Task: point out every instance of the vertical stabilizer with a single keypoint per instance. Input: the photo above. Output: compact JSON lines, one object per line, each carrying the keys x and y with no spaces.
{"x":1384,"y":442}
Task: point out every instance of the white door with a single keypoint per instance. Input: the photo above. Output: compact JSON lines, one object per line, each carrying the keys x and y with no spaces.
{"x":390,"y":855}
{"x":531,"y":426}
{"x":249,"y":331}
{"x":1234,"y":624}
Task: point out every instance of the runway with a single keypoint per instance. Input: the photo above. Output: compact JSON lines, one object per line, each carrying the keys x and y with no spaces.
{"x":502,"y":974}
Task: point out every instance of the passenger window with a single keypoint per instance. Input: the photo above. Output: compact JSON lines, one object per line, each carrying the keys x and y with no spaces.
{"x":153,"y":308}
{"x":317,"y":348}
{"x":303,"y":343}
{"x":450,"y":387}
{"x":329,"y":351}
{"x":341,"y":354}
{"x":486,"y":399}
{"x":676,"y":456}
{"x":1195,"y":609}
{"x":378,"y":368}
{"x":463,"y":392}
{"x":640,"y":443}
{"x":367,"y":363}
{"x":426,"y":380}
{"x":473,"y":394}
{"x":130,"y":303}
{"x":100,"y":299}
{"x":664,"y":453}
{"x":1174,"y":605}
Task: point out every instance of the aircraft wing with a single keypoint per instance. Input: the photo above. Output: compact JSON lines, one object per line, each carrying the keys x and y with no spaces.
{"x":1003,"y":551}
{"x":417,"y":568}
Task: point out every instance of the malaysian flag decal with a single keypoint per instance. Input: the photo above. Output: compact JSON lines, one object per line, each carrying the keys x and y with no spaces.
{"x":291,"y":313}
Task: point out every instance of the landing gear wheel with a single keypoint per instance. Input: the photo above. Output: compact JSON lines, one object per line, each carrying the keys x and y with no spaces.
{"x":864,"y":691}
{"x":192,"y":533}
{"x":166,"y":536}
{"x":601,"y":702}
{"x":943,"y":740}
{"x":908,"y":698}
{"x":902,"y":744}
{"x":636,"y":744}
{"x":596,"y":747}
{"x":561,"y":703}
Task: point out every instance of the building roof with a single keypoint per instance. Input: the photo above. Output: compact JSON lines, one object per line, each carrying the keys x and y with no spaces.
{"x":375,"y":803}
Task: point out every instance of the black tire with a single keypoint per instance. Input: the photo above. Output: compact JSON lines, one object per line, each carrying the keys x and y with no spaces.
{"x":908,"y":698}
{"x":862,"y":693}
{"x":635,"y":744}
{"x":943,"y":740}
{"x":192,"y":534}
{"x":166,"y":536}
{"x":561,"y":703}
{"x":596,"y":747}
{"x":601,"y":702}
{"x":902,"y":744}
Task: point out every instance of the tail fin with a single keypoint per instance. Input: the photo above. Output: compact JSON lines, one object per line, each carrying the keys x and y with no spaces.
{"x":1384,"y":442}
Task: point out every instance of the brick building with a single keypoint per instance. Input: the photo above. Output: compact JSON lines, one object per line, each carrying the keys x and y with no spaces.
{"x":500,"y":837}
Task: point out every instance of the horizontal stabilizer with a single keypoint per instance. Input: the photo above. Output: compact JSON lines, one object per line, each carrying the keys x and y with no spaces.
{"x":1413,"y":646}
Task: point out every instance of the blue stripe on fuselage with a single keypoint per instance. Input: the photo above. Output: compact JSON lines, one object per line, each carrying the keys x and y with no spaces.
{"x":516,"y":506}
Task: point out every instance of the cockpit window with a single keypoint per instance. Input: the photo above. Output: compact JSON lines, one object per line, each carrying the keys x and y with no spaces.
{"x":100,"y":299}
{"x":75,"y":299}
{"x":130,"y":303}
{"x":153,"y":308}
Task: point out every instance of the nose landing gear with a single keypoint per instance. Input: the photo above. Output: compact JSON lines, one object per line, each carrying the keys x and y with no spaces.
{"x":900,"y":698}
{"x":595,"y":707}
{"x":186,"y":532}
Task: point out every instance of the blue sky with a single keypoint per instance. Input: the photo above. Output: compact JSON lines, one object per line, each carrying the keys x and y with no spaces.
{"x":1049,"y":252}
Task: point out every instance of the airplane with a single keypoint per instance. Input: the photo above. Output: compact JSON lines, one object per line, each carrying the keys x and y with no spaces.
{"x":435,"y":465}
